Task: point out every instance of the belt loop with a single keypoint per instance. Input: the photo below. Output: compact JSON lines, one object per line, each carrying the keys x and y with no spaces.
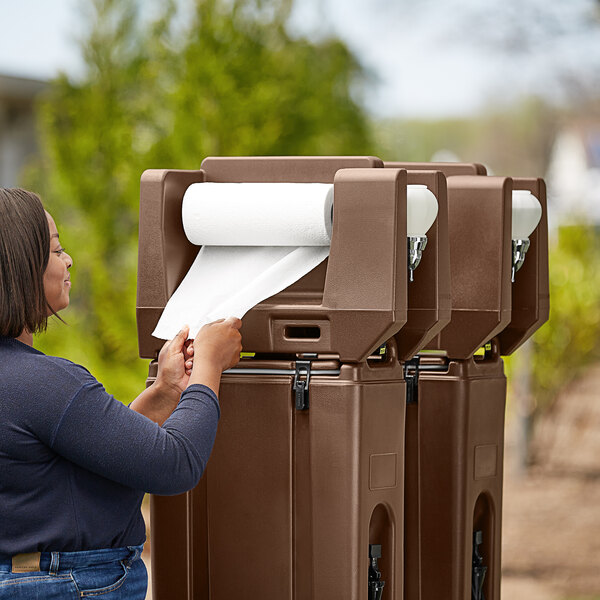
{"x":54,"y":563}
{"x":133,"y":556}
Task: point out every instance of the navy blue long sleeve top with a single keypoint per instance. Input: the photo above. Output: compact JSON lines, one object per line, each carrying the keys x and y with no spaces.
{"x":75,"y":462}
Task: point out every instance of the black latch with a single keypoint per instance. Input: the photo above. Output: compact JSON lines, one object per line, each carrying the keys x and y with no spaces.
{"x":411,"y":376}
{"x":301,"y":385}
{"x":479,"y":570}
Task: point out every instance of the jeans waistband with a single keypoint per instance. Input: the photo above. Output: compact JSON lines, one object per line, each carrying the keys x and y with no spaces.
{"x":53,"y":561}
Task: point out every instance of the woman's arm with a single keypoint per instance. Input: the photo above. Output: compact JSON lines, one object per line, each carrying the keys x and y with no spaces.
{"x":156,"y":402}
{"x":102,"y":435}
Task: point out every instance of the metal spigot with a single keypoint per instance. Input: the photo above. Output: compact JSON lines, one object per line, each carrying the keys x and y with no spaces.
{"x":479,"y":570}
{"x":519,"y":249}
{"x":376,"y":585}
{"x":416,"y":245}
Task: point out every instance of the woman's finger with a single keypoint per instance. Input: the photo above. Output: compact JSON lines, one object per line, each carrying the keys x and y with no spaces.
{"x":179,"y":340}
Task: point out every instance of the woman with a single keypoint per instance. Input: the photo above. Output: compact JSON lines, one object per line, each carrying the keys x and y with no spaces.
{"x":74,"y":462}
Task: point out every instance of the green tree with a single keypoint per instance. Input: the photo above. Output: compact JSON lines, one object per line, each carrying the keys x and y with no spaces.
{"x":568,"y":343}
{"x":155,"y":94}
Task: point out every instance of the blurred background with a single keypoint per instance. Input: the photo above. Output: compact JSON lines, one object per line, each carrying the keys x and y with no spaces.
{"x":92,"y":92}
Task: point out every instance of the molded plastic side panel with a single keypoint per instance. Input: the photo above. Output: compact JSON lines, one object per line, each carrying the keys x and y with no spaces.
{"x":530,"y":290}
{"x":479,"y":215}
{"x":366,"y":282}
{"x":164,"y":253}
{"x":429,"y":300}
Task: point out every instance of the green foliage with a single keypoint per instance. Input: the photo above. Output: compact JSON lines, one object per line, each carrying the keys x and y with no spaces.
{"x":564,"y":346}
{"x":569,"y":341}
{"x":158,"y":95}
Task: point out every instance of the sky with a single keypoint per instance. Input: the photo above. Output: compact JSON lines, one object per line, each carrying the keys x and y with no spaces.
{"x":426,"y":58}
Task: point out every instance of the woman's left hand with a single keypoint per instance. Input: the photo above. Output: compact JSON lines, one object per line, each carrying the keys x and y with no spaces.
{"x":175,"y":363}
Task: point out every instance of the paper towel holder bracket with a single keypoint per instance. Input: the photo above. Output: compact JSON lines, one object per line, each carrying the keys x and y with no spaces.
{"x":356,"y":309}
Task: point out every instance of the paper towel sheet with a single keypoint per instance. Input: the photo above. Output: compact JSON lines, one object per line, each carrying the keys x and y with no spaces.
{"x":227,"y":281}
{"x":293,"y":222}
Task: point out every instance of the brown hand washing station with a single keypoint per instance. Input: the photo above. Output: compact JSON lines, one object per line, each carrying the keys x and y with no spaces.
{"x":303,"y":496}
{"x":456,"y":401}
{"x":338,"y":471}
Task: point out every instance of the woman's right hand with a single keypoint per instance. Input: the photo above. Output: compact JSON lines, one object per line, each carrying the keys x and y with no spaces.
{"x":219,"y":344}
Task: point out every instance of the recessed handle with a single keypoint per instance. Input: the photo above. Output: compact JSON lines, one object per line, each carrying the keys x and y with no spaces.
{"x":302,"y":332}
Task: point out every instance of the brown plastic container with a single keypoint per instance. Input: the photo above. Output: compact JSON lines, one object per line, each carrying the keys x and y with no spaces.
{"x":460,"y":434}
{"x":455,"y":429}
{"x":291,"y":499}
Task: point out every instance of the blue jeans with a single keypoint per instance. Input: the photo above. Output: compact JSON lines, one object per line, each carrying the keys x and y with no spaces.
{"x":111,"y":573}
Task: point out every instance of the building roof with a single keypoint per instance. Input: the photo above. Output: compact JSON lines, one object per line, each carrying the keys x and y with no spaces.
{"x":20,"y":88}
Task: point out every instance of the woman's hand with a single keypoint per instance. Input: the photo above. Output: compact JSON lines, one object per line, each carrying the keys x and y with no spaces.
{"x":175,"y":363}
{"x":219,"y":342}
{"x":217,"y":347}
{"x":180,"y":364}
{"x":158,"y":401}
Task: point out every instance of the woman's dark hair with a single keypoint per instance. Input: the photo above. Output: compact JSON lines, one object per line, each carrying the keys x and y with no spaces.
{"x":24,"y":253}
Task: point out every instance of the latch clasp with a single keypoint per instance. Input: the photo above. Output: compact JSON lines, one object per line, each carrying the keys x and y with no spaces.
{"x":411,"y":376}
{"x":300,"y":385}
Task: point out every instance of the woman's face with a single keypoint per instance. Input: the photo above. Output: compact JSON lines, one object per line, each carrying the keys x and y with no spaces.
{"x":57,"y":280}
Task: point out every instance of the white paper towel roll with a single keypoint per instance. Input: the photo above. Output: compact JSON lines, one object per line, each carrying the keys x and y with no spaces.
{"x":258,"y":214}
{"x":257,"y":239}
{"x":526,"y":214}
{"x":421,"y":209}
